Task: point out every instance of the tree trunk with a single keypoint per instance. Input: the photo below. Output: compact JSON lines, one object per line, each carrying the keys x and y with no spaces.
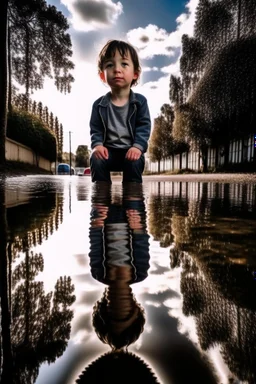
{"x":3,"y":78}
{"x":254,"y":153}
{"x":204,"y":152}
{"x":226,"y":154}
{"x":239,"y":18}
{"x":27,"y":84}
{"x":9,"y":71}
{"x":216,"y":163}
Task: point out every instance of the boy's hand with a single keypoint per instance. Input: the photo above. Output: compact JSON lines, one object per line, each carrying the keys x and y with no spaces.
{"x":100,"y":152}
{"x":102,"y":213}
{"x":133,"y":154}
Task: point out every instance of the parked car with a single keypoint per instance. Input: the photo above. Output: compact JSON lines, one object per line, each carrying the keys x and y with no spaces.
{"x":64,"y":169}
{"x":87,"y":171}
{"x":79,"y":171}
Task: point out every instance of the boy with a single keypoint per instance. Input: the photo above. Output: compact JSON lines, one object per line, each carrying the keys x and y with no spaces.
{"x":120,"y":121}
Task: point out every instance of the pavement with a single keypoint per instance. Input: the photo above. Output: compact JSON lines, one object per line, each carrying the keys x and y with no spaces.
{"x":202,"y":177}
{"x":244,"y":178}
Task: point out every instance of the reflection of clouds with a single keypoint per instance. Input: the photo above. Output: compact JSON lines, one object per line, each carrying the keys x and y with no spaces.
{"x":82,"y":324}
{"x":187,"y":327}
{"x":83,"y":278}
{"x":153,"y":303}
{"x":162,"y":279}
{"x":88,"y":299}
{"x":81,"y":260}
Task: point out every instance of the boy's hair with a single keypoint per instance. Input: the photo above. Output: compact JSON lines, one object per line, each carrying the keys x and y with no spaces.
{"x":109,"y":50}
{"x":102,"y":324}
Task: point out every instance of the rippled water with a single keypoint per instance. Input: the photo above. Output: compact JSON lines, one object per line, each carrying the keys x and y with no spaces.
{"x":157,"y":281}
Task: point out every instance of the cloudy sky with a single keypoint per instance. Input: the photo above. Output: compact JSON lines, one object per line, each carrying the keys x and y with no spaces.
{"x":154,"y":27}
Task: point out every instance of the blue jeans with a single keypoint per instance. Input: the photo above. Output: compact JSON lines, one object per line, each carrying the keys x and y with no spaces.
{"x":116,"y":162}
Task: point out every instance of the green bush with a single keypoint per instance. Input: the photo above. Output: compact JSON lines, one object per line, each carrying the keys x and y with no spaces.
{"x":29,"y":130}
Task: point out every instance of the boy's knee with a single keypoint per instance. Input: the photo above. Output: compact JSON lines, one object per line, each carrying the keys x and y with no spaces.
{"x":134,"y":164}
{"x":95,"y":161}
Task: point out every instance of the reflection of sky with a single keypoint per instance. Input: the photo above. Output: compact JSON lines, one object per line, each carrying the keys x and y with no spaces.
{"x":166,"y":329}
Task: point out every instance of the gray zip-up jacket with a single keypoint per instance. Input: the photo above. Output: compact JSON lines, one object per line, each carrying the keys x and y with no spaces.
{"x":138,"y":121}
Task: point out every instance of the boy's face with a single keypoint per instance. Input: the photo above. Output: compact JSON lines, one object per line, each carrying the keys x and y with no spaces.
{"x":118,"y":72}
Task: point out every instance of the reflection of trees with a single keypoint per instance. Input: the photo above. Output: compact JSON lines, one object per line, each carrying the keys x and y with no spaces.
{"x":40,"y":325}
{"x":82,"y":190}
{"x":160,"y":213}
{"x":122,"y":367}
{"x":220,"y":320}
{"x":193,"y":304}
{"x":35,"y":326}
{"x":240,"y":352}
{"x":215,"y":247}
{"x":28,"y":224}
{"x":35,"y":220}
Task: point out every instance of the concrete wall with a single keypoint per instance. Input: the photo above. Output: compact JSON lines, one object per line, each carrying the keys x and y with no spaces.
{"x":18,"y":152}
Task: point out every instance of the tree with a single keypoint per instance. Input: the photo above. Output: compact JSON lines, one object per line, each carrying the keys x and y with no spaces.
{"x":176,"y":90}
{"x":82,"y":156}
{"x":66,"y":158}
{"x":60,"y":143}
{"x":3,"y":78}
{"x":40,"y":45}
{"x":167,"y":138}
{"x":223,"y":105}
{"x":191,"y":64}
{"x":155,"y":143}
{"x":163,"y":144}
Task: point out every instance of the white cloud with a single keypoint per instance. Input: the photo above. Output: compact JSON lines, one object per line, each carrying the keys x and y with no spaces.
{"x":172,"y":69}
{"x":90,"y":15}
{"x":157,"y":94}
{"x":152,"y":40}
{"x":185,"y":24}
{"x":149,"y":69}
{"x":73,"y":110}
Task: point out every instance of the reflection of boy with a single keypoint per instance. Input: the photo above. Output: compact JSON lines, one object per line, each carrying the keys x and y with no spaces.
{"x":118,"y":318}
{"x":119,"y":256}
{"x":118,"y":233}
{"x":120,"y":121}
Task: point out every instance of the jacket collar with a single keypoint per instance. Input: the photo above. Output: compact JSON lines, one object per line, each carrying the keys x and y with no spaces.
{"x":106,"y":99}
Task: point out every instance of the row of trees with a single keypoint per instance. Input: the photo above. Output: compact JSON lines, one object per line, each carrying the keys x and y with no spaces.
{"x":162,"y":143}
{"x":34,"y":44}
{"x":21,"y":102}
{"x":213,"y":99}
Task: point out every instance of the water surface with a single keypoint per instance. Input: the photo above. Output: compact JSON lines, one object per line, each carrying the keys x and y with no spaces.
{"x":158,"y":280}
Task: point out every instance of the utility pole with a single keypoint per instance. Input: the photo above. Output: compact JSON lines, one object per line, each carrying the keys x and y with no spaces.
{"x":70,"y":172}
{"x":3,"y":78}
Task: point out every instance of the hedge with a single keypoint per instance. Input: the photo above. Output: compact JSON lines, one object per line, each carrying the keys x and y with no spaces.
{"x":29,"y":130}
